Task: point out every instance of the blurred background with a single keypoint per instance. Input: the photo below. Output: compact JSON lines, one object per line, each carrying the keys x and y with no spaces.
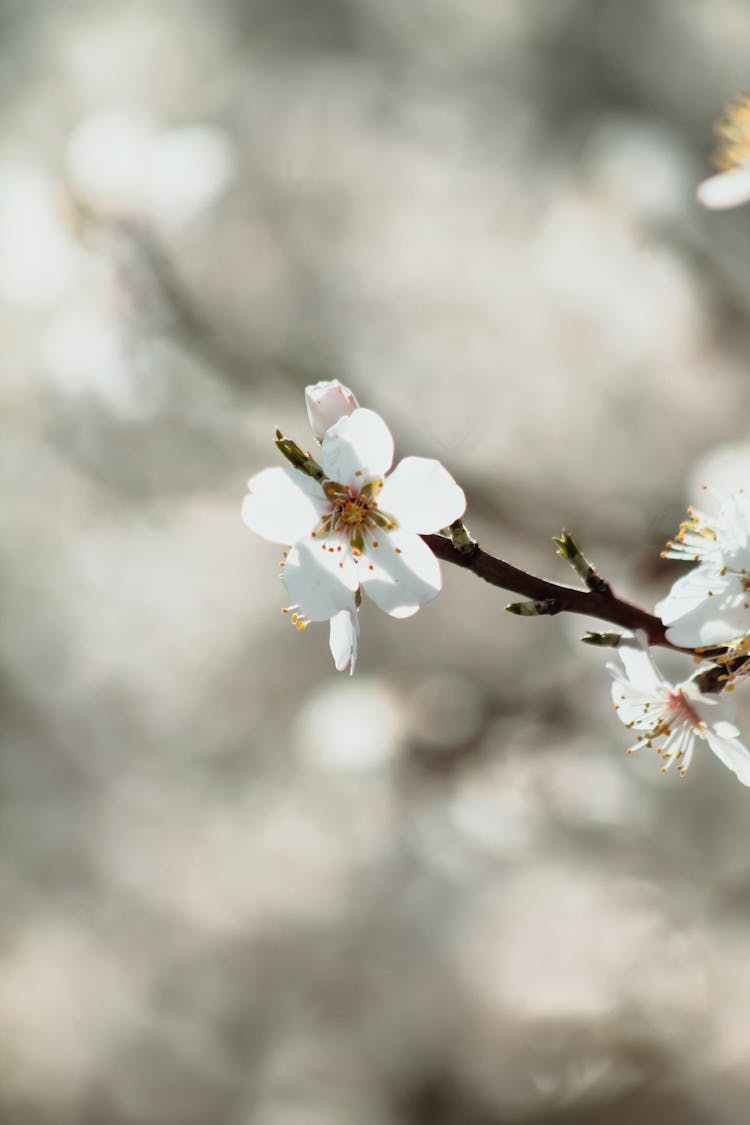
{"x":236,"y":887}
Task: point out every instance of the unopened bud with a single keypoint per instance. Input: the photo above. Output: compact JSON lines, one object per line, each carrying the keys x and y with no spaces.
{"x":300,"y":460}
{"x":327,"y":402}
{"x":602,"y":640}
{"x":541,"y":608}
{"x":460,"y":537}
{"x":568,"y":549}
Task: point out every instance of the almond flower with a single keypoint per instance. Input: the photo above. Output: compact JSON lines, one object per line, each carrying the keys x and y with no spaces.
{"x":710,"y":605}
{"x":670,"y":718}
{"x":730,"y":187}
{"x":355,"y":530}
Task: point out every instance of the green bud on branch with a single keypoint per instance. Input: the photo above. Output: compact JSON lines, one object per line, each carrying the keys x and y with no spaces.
{"x":541,"y":608}
{"x":298,"y":459}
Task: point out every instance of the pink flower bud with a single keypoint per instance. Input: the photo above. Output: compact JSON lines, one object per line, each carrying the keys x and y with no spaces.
{"x":326,"y":403}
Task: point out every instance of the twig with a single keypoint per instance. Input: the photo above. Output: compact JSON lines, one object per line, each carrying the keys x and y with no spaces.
{"x":600,"y":602}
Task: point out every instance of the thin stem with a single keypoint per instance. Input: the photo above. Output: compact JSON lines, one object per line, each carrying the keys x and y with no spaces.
{"x":601,"y":603}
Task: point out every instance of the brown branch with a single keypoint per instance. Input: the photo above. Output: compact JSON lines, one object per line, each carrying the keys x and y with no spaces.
{"x":598,"y":602}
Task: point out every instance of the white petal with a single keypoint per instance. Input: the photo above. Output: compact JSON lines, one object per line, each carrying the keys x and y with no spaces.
{"x":727,"y":189}
{"x":422,"y":496}
{"x":283,"y":505}
{"x":738,"y":517}
{"x":319,"y":580}
{"x":635,"y":708}
{"x":693,"y":590}
{"x":725,"y":729}
{"x":401,"y":574}
{"x":703,"y":628}
{"x":640,"y":669}
{"x":343,"y":639}
{"x":328,"y":401}
{"x":732,"y":753}
{"x":357,"y":449}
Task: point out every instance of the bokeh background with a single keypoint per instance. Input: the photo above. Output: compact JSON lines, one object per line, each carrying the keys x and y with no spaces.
{"x":237,"y":888}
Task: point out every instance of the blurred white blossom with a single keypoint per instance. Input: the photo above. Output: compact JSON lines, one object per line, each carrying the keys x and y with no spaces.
{"x":122,"y":163}
{"x":38,"y":254}
{"x":730,"y":187}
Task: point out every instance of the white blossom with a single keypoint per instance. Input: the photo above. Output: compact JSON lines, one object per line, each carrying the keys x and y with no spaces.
{"x":710,"y":605}
{"x":670,"y":718}
{"x":357,"y":530}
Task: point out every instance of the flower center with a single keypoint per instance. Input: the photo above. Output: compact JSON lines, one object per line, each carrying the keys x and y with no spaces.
{"x":353,"y":512}
{"x":679,"y":710}
{"x":353,"y":516}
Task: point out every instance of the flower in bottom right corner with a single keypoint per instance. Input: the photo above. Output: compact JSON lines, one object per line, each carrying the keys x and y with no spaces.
{"x":671,"y":718}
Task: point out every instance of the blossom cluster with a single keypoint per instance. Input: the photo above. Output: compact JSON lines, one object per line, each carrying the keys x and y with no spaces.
{"x":707,"y":611}
{"x":351,"y":526}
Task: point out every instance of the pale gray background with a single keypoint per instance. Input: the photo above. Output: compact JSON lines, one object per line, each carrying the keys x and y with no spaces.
{"x":236,"y":888}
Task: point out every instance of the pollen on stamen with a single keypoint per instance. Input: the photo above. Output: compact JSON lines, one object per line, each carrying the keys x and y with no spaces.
{"x":314,"y":534}
{"x":375,"y":543}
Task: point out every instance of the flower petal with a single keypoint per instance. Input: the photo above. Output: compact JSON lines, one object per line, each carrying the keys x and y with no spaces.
{"x":422,"y":496}
{"x":732,"y":753}
{"x":357,"y":449}
{"x":703,"y":627}
{"x":693,"y":590}
{"x":320,"y":579}
{"x":343,"y":639}
{"x":725,"y":729}
{"x":637,"y":709}
{"x":725,"y":190}
{"x":401,"y":574}
{"x":640,"y":669}
{"x":283,"y":505}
